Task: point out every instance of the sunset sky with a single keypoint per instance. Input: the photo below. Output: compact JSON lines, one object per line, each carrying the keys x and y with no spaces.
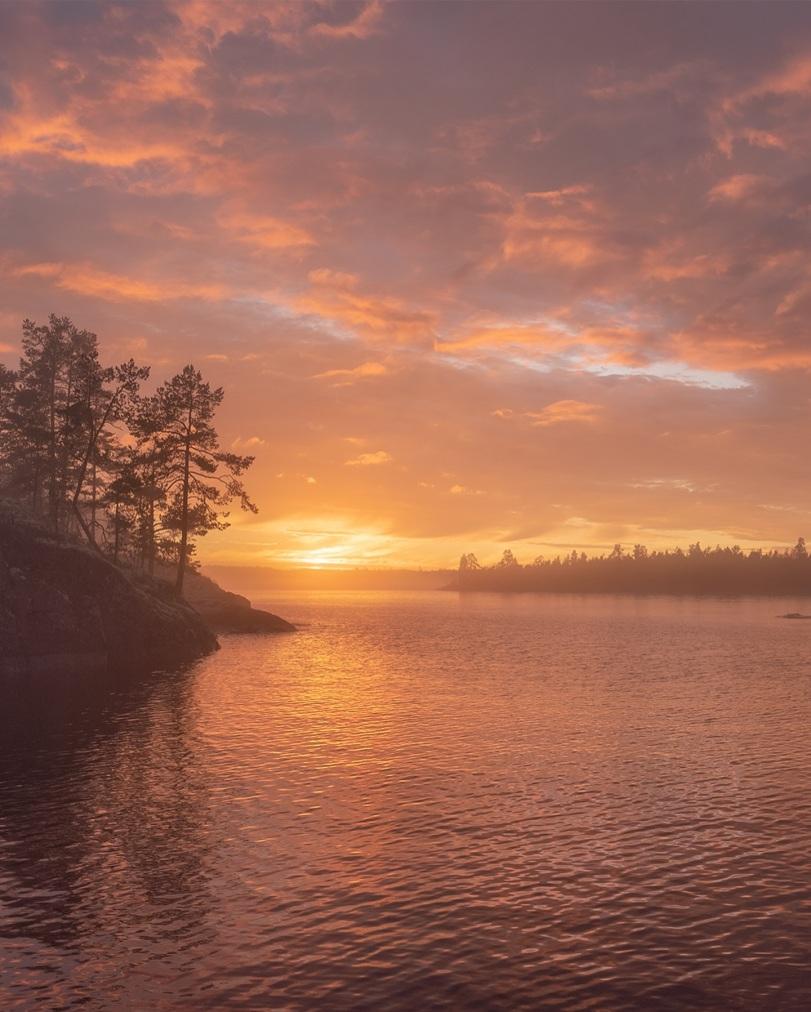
{"x":473,"y":275}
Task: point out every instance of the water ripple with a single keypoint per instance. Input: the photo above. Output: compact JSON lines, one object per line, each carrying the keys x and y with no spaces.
{"x":422,"y":801}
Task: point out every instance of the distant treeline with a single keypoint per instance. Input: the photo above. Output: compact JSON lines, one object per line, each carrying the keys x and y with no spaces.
{"x":139,"y":477}
{"x":726,"y":571}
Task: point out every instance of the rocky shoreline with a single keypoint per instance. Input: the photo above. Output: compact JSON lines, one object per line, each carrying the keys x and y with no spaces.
{"x":225,"y":612}
{"x":64,"y":609}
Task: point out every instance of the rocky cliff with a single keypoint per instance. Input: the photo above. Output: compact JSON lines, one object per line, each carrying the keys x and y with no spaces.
{"x":227,"y":612}
{"x":64,"y":608}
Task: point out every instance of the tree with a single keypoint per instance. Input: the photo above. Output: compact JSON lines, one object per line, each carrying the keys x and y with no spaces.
{"x":58,"y":417}
{"x":7,"y":381}
{"x":467,"y":564}
{"x":197,"y":477}
{"x":8,"y":387}
{"x":98,"y":406}
{"x":57,"y":359}
{"x":141,"y":497}
{"x":508,"y":560}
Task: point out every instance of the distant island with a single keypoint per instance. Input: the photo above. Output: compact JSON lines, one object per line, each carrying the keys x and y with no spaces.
{"x":699,"y":570}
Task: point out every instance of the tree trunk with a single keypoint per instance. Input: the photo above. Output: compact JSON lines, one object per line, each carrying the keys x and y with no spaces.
{"x":90,"y":453}
{"x":151,"y":549}
{"x":93,"y":495}
{"x":62,"y":484}
{"x":52,"y":507}
{"x":184,"y":512}
{"x":117,"y":532}
{"x":85,"y":529}
{"x":35,"y":491}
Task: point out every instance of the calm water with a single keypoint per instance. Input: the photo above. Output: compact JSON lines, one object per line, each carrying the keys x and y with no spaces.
{"x":421,"y":801}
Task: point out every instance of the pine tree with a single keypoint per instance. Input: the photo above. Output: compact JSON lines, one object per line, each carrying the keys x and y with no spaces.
{"x":197,"y":477}
{"x":105,"y":397}
{"x":42,"y":413}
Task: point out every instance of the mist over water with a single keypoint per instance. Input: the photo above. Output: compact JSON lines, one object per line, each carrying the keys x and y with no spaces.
{"x":423,"y":800}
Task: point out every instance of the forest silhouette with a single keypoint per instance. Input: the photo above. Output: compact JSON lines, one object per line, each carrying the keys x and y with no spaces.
{"x":699,"y":570}
{"x":138,"y":477}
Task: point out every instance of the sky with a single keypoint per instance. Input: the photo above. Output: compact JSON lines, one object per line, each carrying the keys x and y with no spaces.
{"x":473,"y":275}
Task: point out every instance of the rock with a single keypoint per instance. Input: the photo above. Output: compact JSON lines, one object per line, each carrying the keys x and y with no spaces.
{"x":247,"y":620}
{"x":224,"y":611}
{"x":64,"y":608}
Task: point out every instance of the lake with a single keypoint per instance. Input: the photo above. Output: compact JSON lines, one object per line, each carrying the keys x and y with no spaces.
{"x":422,"y":800}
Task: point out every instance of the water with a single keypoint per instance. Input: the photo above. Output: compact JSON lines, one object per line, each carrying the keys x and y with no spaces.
{"x":421,"y":801}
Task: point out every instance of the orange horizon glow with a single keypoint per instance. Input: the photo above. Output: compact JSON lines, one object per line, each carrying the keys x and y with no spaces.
{"x":560,"y":303}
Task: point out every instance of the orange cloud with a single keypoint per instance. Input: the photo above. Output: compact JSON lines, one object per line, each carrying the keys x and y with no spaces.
{"x":564,"y":226}
{"x":86,"y":279}
{"x":366,"y":24}
{"x":543,"y":337}
{"x":346,"y":377}
{"x":333,"y":279}
{"x":583,"y":345}
{"x":464,"y":490}
{"x":793,"y":78}
{"x":674,"y":260}
{"x":263,"y":231}
{"x":251,"y":444}
{"x":371,"y":315}
{"x":736,"y":187}
{"x":565,"y":411}
{"x":370,"y":459}
{"x":723,"y":345}
{"x":62,"y":137}
{"x":555,"y":413}
{"x":764,"y":139}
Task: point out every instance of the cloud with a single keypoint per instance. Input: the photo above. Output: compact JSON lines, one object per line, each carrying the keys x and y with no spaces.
{"x":736,"y":187}
{"x":251,"y":444}
{"x":86,"y":279}
{"x":370,"y":459}
{"x":557,"y":413}
{"x":792,"y":78}
{"x":671,"y":79}
{"x":764,"y":139}
{"x":263,"y":231}
{"x":333,"y":279}
{"x":375,"y":316}
{"x":464,"y":490}
{"x":566,"y":227}
{"x":346,"y":377}
{"x":545,"y":337}
{"x":364,"y":25}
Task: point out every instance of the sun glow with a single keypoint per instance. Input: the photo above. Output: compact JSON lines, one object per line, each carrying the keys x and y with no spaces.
{"x":327,"y":549}
{"x":311,"y":542}
{"x":324,"y":558}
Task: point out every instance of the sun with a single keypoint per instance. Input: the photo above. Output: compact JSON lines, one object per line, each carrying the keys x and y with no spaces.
{"x":330,"y":544}
{"x":331,"y":557}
